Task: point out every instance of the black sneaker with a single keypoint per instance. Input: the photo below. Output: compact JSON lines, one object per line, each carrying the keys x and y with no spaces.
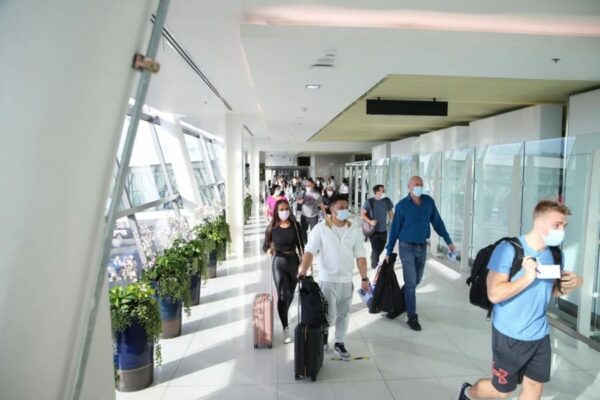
{"x":462,"y":395}
{"x":414,"y":323}
{"x":341,"y":350}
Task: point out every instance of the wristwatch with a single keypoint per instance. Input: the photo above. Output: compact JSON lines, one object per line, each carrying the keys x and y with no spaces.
{"x":365,"y":279}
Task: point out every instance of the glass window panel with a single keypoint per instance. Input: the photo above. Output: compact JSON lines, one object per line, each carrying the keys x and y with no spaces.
{"x":145,"y":181}
{"x":542,"y":175}
{"x":215,"y":152}
{"x":194,"y":146}
{"x":170,"y":151}
{"x":494,"y":170}
{"x":452,"y":195}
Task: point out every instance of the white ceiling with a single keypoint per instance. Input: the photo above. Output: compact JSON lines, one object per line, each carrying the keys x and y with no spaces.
{"x":258,"y":53}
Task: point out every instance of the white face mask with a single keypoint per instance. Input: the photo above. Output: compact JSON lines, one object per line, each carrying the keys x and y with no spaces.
{"x":329,"y":194}
{"x":284,"y":215}
{"x":554,"y":237}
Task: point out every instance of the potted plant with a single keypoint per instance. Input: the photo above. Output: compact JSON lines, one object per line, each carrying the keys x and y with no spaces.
{"x":209,"y":229}
{"x":136,"y":328}
{"x":168,"y":275}
{"x":197,"y":252}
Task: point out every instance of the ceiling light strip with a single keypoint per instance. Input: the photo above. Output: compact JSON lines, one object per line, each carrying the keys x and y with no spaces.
{"x":177,"y":47}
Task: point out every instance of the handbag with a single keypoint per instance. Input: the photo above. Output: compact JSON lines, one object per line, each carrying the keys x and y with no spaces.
{"x":367,"y":228}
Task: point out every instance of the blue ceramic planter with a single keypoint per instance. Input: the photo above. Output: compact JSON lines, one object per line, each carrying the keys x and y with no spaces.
{"x":195,"y":284}
{"x":133,"y":359}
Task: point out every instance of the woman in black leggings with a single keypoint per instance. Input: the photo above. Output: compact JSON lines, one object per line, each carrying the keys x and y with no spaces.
{"x":282,"y":239}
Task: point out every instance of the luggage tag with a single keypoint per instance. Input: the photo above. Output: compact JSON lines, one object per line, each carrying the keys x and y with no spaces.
{"x":548,"y":271}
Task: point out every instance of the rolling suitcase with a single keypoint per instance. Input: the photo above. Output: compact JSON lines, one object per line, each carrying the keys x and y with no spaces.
{"x":262,"y":318}
{"x":308,"y":345}
{"x":308,"y":351}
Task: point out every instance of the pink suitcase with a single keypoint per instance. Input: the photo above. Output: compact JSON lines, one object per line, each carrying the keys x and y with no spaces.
{"x":263,"y":320}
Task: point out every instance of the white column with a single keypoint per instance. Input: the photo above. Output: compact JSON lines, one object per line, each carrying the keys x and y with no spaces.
{"x":65,"y":88}
{"x":234,"y":181}
{"x":254,"y":173}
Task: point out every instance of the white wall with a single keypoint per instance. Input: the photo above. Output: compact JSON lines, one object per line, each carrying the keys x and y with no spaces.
{"x":66,"y":79}
{"x":539,"y":122}
{"x":325,"y":165}
{"x":380,"y":152}
{"x":584,"y":113}
{"x":405,"y":147}
{"x":456,"y":137}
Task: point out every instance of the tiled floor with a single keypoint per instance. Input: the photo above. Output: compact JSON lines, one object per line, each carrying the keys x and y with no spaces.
{"x":215,"y":358}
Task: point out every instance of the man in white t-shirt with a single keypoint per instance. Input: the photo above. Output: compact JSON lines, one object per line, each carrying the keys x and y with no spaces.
{"x":339,"y":243}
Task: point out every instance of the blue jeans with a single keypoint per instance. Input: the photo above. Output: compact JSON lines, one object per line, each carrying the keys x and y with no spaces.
{"x":413,"y":257}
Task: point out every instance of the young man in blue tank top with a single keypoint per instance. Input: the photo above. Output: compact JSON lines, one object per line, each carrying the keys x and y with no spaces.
{"x":520,"y":331}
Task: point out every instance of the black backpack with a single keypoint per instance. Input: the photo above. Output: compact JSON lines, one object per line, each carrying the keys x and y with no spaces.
{"x":314,"y":310}
{"x":479,"y":271}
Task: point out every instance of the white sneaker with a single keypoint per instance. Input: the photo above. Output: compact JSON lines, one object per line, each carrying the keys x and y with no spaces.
{"x":341,"y":350}
{"x":286,"y":336}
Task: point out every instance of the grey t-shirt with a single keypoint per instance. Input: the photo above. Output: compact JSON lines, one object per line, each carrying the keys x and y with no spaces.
{"x":312,"y":201}
{"x":380,"y":213}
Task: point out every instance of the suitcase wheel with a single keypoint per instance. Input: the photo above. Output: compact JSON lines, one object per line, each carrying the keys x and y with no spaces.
{"x":297,"y":377}
{"x":270,"y":346}
{"x":313,"y":378}
{"x":255,"y":346}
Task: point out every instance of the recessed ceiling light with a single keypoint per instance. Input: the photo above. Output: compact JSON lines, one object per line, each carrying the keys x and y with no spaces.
{"x":313,"y":86}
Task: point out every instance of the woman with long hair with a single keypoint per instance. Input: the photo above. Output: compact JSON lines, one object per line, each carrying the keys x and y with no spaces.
{"x":283,"y":241}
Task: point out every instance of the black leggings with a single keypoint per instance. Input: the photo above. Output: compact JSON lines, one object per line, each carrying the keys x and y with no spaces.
{"x":285,"y":269}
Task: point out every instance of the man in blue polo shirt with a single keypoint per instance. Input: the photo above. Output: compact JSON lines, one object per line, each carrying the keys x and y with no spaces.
{"x":410,"y":226}
{"x":521,"y":350}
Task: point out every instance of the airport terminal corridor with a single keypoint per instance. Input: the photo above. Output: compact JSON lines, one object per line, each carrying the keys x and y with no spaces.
{"x":214,"y":358}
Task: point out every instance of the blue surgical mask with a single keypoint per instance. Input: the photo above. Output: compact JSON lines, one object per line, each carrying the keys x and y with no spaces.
{"x":555,"y":237}
{"x":342,"y":215}
{"x":418,"y":191}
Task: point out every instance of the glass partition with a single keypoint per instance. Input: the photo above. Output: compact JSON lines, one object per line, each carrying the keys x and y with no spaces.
{"x":498,"y":175}
{"x":542,"y":176}
{"x":452,"y":195}
{"x":581,"y":309}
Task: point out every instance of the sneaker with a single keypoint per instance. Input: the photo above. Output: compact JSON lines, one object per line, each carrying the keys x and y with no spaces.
{"x":286,"y":336}
{"x":462,"y":395}
{"x":414,"y":323}
{"x":341,"y":350}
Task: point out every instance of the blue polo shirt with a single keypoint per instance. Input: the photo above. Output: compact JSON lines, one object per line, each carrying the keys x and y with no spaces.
{"x":411,"y":222}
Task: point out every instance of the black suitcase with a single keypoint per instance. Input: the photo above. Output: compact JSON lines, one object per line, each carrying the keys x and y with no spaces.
{"x":308,"y":351}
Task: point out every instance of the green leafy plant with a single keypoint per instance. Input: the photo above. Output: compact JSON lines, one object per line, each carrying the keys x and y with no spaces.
{"x":215,"y":235}
{"x":170,"y":272}
{"x":136,"y":302}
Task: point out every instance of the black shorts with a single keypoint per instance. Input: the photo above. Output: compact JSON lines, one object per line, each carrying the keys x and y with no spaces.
{"x":515,"y":358}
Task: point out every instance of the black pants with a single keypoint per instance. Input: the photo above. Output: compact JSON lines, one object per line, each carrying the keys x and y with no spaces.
{"x":285,"y":269}
{"x":305,"y":222}
{"x":378,"y":241}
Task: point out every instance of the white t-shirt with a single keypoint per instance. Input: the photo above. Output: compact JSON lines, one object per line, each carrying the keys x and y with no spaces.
{"x":338,"y":249}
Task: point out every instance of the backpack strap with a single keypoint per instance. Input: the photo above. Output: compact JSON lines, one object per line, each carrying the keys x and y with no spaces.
{"x":370,"y":200}
{"x":557,"y":256}
{"x":516,"y":264}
